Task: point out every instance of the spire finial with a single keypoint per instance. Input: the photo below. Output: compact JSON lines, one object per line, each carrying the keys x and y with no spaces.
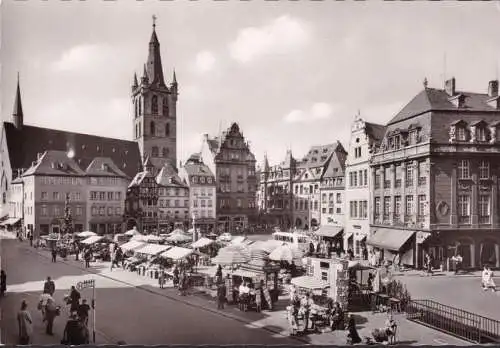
{"x":154,"y":21}
{"x":425,"y":82}
{"x":175,"y":77}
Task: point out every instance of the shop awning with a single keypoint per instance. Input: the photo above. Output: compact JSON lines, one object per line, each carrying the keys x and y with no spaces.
{"x":244,"y":273}
{"x":202,"y":242}
{"x":310,"y":283}
{"x":390,"y":239}
{"x":92,"y":240}
{"x":329,"y":231}
{"x":10,"y":221}
{"x":152,"y":249}
{"x":238,"y":240}
{"x":177,"y":253}
{"x":133,"y":244}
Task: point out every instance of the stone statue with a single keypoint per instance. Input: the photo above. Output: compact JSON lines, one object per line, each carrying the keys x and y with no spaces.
{"x":493,"y":134}
{"x":473,"y":134}
{"x":453,"y":134}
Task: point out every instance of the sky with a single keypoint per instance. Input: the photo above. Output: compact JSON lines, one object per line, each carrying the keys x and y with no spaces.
{"x":292,"y":74}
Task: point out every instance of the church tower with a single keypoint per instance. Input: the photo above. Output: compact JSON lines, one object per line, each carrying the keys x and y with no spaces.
{"x":17,"y":114}
{"x":155,"y":109}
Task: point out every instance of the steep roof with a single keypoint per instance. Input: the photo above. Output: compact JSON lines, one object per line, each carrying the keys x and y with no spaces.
{"x":318,"y":155}
{"x":55,"y":163}
{"x":213,"y":144}
{"x":168,"y":176}
{"x":24,"y":145}
{"x":104,"y":166}
{"x":153,"y":66}
{"x":198,"y":170}
{"x":375,"y":131}
{"x":336,"y":166}
{"x":432,"y":99}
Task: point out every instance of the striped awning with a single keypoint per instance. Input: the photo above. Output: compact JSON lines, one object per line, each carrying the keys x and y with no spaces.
{"x":311,"y":283}
{"x":133,"y":244}
{"x":92,"y":239}
{"x":152,"y":249}
{"x":244,"y":273}
{"x":202,"y":242}
{"x":390,"y":239}
{"x":329,"y":231}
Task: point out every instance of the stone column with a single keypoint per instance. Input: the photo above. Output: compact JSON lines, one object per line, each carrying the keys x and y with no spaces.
{"x":473,"y":255}
{"x":393,"y":183}
{"x":497,"y":255}
{"x":454,"y":197}
{"x":474,"y":201}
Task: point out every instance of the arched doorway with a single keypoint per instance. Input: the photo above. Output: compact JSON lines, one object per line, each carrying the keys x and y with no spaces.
{"x":488,"y":253}
{"x":298,"y":223}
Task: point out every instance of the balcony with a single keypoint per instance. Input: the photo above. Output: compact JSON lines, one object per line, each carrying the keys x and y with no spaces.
{"x":422,"y":181}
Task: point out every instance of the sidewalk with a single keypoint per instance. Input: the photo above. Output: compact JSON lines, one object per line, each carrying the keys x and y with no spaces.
{"x":273,"y":321}
{"x":420,"y":273}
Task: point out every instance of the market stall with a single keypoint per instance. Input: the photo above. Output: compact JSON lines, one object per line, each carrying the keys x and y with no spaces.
{"x":86,"y":234}
{"x":92,"y":240}
{"x":132,"y":245}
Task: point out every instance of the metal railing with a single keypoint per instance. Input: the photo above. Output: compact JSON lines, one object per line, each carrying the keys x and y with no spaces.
{"x":457,"y":322}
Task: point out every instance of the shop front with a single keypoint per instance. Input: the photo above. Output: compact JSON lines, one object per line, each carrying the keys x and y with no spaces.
{"x":330,"y":233}
{"x":395,"y":245}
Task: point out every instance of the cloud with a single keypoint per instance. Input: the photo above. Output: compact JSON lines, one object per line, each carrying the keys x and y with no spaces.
{"x":205,"y":61}
{"x":84,"y":58}
{"x":280,"y":36}
{"x":318,"y":111}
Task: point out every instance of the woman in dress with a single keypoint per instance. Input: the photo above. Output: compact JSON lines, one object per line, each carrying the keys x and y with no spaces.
{"x":352,"y":333}
{"x":25,"y":324}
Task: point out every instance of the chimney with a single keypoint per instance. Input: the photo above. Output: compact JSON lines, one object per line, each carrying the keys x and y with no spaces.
{"x":493,"y":88}
{"x":449,"y":87}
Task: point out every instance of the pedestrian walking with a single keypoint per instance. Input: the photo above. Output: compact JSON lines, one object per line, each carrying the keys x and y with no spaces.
{"x":31,"y":239}
{"x":221,"y":295}
{"x":162,"y":278}
{"x":75,"y":332}
{"x":74,"y":296}
{"x":3,"y":283}
{"x":83,"y":312}
{"x":487,"y":279}
{"x":51,"y":312}
{"x":176,"y":276}
{"x":25,"y":324}
{"x":352,"y":333}
{"x":88,"y":256}
{"x":49,"y":287}
{"x":54,"y":254}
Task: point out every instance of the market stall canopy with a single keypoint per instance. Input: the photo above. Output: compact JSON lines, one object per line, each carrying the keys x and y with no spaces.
{"x":286,"y":253}
{"x":329,"y":231}
{"x":176,"y":231}
{"x":177,"y":253}
{"x":153,"y":238}
{"x":179,"y":238}
{"x":232,"y":254}
{"x":244,"y":273}
{"x":152,"y":249}
{"x":266,"y":245}
{"x":358,"y":266}
{"x":202,"y":242}
{"x":238,"y":240}
{"x":311,"y":283}
{"x":139,"y":237}
{"x":390,"y":239}
{"x":132,"y":232}
{"x":86,"y":234}
{"x":132,"y":245}
{"x":10,"y":221}
{"x":92,"y":240}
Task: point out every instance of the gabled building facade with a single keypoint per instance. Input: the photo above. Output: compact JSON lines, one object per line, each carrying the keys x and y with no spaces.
{"x":275,"y":194}
{"x":202,"y":193}
{"x":230,"y":158}
{"x":436,"y":179}
{"x":364,"y":137}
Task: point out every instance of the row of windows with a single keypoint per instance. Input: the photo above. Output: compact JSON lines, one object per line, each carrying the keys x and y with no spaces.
{"x":101,"y":211}
{"x":397,"y":208}
{"x":103,"y":196}
{"x":306,"y":189}
{"x":226,"y":203}
{"x":59,"y":211}
{"x":202,"y":179}
{"x":397,"y":141}
{"x":202,"y":202}
{"x":240,"y":171}
{"x":203,"y":214}
{"x":61,"y":196}
{"x":330,"y":198}
{"x":409,"y":174}
{"x":358,"y":209}
{"x":67,"y":180}
{"x":359,"y":178}
{"x":226,"y":187}
{"x":464,"y":207}
{"x":167,"y":203}
{"x":464,"y":169}
{"x":479,"y":132}
{"x":155,"y":105}
{"x":202,"y":191}
{"x":331,"y":210}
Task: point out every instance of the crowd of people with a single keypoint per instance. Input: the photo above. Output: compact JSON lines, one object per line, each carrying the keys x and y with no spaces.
{"x":76,"y":330}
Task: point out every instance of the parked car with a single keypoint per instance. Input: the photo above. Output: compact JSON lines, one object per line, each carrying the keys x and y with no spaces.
{"x":225,"y":237}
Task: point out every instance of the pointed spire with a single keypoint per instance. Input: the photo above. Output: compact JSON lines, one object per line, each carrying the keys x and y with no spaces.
{"x":174,"y":79}
{"x":17,"y":114}
{"x":144,"y":78}
{"x":154,"y":66}
{"x":266,"y":162}
{"x":426,"y":83}
{"x":136,"y":83}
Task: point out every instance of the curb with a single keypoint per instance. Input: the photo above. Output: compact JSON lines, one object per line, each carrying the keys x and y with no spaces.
{"x":208,"y":309}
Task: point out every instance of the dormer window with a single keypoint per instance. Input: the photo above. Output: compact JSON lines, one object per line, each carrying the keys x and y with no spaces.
{"x":397,"y":142}
{"x":458,"y":131}
{"x":458,"y":100}
{"x":478,"y":131}
{"x":461,"y":134}
{"x":481,"y":134}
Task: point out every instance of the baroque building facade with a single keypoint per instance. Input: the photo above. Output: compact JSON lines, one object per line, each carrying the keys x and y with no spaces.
{"x":435,"y":179}
{"x":358,"y":180}
{"x":229,"y":157}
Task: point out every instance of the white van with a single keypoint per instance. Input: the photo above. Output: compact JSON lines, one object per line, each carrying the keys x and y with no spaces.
{"x":299,"y":240}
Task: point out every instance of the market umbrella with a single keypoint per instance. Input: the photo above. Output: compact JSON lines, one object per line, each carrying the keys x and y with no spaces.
{"x":139,"y":238}
{"x":153,"y":238}
{"x":86,"y":234}
{"x":233,"y":254}
{"x":202,"y":242}
{"x":176,"y":231}
{"x":179,"y":238}
{"x":132,"y":232}
{"x":286,"y":253}
{"x":266,"y":245}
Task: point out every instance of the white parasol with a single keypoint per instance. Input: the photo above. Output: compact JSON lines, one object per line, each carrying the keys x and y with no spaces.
{"x":286,"y":253}
{"x":179,"y":238}
{"x":86,"y":234}
{"x":132,"y":232}
{"x":232,"y":254}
